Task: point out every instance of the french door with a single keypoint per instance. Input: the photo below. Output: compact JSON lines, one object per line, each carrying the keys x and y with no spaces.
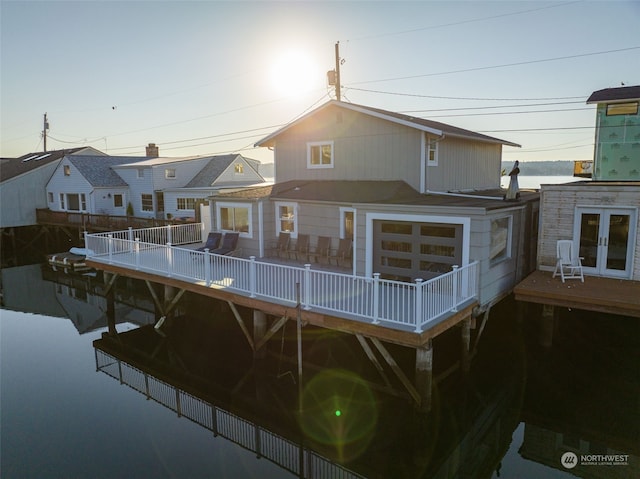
{"x":606,"y":238}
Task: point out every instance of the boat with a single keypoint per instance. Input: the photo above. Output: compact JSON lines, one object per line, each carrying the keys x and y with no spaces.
{"x":72,"y":260}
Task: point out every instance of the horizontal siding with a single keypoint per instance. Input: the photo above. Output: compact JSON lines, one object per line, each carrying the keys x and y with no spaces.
{"x":20,"y":196}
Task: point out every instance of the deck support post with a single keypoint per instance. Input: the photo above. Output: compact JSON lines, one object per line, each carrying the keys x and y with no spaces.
{"x":424,"y":375}
{"x":169,"y":296}
{"x":111,"y":313}
{"x":466,"y":343}
{"x":547,"y":325}
{"x":259,"y":331}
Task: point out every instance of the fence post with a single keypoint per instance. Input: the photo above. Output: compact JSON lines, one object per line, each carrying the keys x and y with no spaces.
{"x":252,"y":276}
{"x":169,"y":235}
{"x":376,"y":297}
{"x":169,"y":258}
{"x":130,"y":236}
{"x":137,"y":252}
{"x":307,"y":287}
{"x":455,"y":276}
{"x":207,"y":267}
{"x":417,"y":300}
{"x":110,"y":248}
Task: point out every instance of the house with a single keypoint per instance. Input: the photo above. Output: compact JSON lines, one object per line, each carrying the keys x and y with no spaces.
{"x":23,"y":183}
{"x":107,"y":185}
{"x":600,"y":215}
{"x":89,"y":184}
{"x":173,"y":186}
{"x":415,"y":197}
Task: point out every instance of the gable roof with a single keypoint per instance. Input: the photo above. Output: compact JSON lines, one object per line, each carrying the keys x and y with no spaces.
{"x":611,"y":95}
{"x":215,"y":167}
{"x":12,"y":167}
{"x":429,"y":126}
{"x":97,"y":170}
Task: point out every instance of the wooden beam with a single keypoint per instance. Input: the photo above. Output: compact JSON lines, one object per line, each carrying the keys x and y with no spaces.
{"x":372,"y":357}
{"x":174,"y":302}
{"x":275,"y":327}
{"x":156,"y":301}
{"x":243,"y":326}
{"x":110,"y":283}
{"x":397,"y":370}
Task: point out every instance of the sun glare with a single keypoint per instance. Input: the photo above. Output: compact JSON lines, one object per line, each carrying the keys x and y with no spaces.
{"x":293,"y":73}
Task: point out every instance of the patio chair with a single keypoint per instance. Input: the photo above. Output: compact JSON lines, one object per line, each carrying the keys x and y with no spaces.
{"x":213,"y":241}
{"x":344,"y":251}
{"x":568,"y":264}
{"x":301,"y":248}
{"x":229,"y":244}
{"x":323,"y":250}
{"x":282,"y":246}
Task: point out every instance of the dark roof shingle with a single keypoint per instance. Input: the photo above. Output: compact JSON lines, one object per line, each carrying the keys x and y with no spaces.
{"x":622,"y":93}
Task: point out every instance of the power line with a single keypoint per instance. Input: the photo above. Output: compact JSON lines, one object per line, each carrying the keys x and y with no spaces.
{"x":510,"y":112}
{"x":505,"y":65}
{"x":466,"y":98}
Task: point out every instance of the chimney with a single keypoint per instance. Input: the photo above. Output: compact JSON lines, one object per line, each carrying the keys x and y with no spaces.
{"x":153,"y":151}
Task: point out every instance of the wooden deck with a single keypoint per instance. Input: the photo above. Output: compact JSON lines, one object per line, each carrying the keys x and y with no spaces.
{"x":606,"y":295}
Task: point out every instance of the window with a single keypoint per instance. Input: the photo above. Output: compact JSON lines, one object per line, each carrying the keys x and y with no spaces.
{"x":347,"y":222}
{"x":50,"y":197}
{"x":67,"y":170}
{"x":73,"y":202}
{"x":235,"y":217}
{"x":431,"y":151}
{"x":630,"y":108}
{"x":118,"y":201}
{"x":147,"y":202}
{"x":83,"y":202}
{"x":286,"y":218}
{"x":238,"y":169}
{"x":186,"y":203}
{"x":500,"y":239}
{"x":140,"y":173}
{"x":320,"y":154}
{"x":170,"y":173}
{"x":62,"y":201}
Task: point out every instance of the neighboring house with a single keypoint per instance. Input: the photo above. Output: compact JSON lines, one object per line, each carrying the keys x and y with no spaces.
{"x":617,"y":151}
{"x":89,"y":184}
{"x":160,"y":187}
{"x":23,"y":182}
{"x":415,"y":197}
{"x":601,"y":215}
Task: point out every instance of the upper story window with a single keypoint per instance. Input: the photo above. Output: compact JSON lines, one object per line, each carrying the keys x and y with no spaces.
{"x":238,"y":169}
{"x":320,"y":154}
{"x":630,"y":108}
{"x":431,"y":151}
{"x":140,"y":173}
{"x":67,"y":170}
{"x":170,"y":173}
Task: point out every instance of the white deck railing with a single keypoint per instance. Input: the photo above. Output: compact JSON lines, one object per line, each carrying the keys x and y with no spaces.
{"x":393,"y":303}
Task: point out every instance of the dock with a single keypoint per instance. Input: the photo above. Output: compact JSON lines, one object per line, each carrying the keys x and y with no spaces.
{"x":605,"y":295}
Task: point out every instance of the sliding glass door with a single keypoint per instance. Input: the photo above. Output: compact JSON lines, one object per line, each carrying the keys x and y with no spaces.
{"x":606,"y":239}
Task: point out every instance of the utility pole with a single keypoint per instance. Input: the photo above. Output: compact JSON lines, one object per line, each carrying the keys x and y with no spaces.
{"x":338,"y":71}
{"x":45,"y":127}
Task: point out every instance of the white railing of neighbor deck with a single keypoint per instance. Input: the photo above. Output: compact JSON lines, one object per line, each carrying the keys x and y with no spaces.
{"x":393,"y":303}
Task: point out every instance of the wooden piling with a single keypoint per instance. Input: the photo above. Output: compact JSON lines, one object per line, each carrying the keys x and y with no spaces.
{"x":424,"y":375}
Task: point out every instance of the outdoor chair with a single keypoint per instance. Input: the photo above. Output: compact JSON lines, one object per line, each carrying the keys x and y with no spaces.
{"x":213,"y":241}
{"x":302,"y":247}
{"x":323,"y":250}
{"x":282,"y":246}
{"x":568,"y":263}
{"x":229,"y":244}
{"x":344,"y":251}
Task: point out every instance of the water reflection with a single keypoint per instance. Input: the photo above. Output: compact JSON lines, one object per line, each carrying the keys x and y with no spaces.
{"x":520,"y":408}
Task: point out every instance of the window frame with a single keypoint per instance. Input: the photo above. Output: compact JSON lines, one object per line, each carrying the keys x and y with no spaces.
{"x":50,"y":196}
{"x":508,"y":246}
{"x":238,"y":168}
{"x":121,"y":196}
{"x":169,"y":173}
{"x":344,"y":210}
{"x":142,"y":202}
{"x":627,"y":104}
{"x":140,"y":173}
{"x":431,"y":146}
{"x":186,"y":200}
{"x":279,"y":218}
{"x":67,"y":170}
{"x":313,"y":144}
{"x":234,"y":205}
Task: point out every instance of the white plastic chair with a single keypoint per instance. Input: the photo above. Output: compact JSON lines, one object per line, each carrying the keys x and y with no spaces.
{"x":568,"y":264}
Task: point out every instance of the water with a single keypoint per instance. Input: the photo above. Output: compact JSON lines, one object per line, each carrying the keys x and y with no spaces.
{"x":71,"y":410}
{"x":533,"y":181}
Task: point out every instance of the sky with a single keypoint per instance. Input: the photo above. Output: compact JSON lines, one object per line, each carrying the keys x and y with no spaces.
{"x":208,"y":77}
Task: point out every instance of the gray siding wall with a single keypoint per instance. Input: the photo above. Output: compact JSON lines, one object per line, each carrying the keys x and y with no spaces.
{"x":74,"y":183}
{"x":557,"y":213}
{"x":185,"y":171}
{"x":365,"y":148}
{"x":138,"y":186}
{"x":230,"y":177}
{"x":465,"y":165}
{"x":20,"y":196}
